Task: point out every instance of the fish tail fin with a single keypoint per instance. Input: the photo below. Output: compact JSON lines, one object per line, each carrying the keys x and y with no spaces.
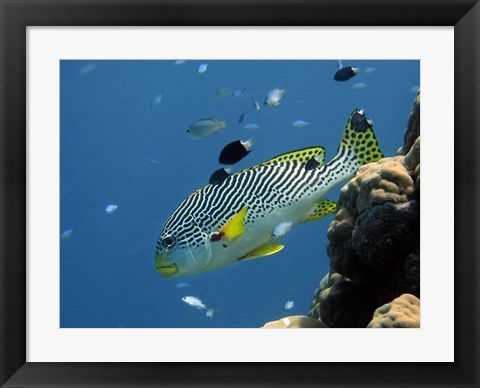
{"x":359,"y":143}
{"x":227,"y":122}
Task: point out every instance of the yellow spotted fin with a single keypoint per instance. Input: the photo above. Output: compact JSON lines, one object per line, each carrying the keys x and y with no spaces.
{"x":299,"y":156}
{"x":235,"y":227}
{"x":264,"y":250}
{"x":323,"y":208}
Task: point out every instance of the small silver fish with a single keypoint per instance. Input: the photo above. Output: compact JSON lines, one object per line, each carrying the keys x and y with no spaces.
{"x":415,"y":89}
{"x":182,"y":285}
{"x":359,"y":85}
{"x":87,"y":68}
{"x":238,"y":92}
{"x":289,"y":305}
{"x":224,"y":92}
{"x":205,"y":127}
{"x":111,"y":208}
{"x":66,"y":234}
{"x":153,"y":161}
{"x":300,"y":124}
{"x":251,"y":126}
{"x":339,"y":64}
{"x":156,"y":100}
{"x":202,"y":68}
{"x":369,"y":70}
{"x":211,"y":313}
{"x":193,"y":301}
{"x":179,"y":62}
{"x":274,"y":97}
{"x":282,"y":229}
{"x":256,"y":105}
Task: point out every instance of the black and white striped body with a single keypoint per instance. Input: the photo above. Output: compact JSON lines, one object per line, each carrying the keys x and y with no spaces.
{"x":274,"y":192}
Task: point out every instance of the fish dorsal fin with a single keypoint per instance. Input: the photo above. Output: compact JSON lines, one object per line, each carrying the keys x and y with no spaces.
{"x":235,"y":227}
{"x":264,"y":250}
{"x":299,"y":156}
{"x":322,"y":209}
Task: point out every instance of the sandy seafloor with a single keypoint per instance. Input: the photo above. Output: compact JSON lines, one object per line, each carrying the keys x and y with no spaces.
{"x":116,"y":149}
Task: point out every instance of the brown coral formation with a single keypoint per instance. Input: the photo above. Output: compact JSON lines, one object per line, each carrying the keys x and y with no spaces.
{"x":374,"y":245}
{"x":374,"y":238}
{"x":343,"y":303}
{"x":403,"y":311}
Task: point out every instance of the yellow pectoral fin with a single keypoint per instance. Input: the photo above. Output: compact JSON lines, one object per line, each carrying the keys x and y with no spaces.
{"x":235,"y":227}
{"x":323,"y":208}
{"x":264,"y":250}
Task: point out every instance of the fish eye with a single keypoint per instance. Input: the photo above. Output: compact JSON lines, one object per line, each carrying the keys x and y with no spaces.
{"x":168,"y":242}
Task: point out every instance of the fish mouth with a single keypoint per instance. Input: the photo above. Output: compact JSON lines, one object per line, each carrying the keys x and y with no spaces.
{"x":167,"y":270}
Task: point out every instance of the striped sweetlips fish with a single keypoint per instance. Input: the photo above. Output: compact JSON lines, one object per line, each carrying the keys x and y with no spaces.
{"x":235,"y":219}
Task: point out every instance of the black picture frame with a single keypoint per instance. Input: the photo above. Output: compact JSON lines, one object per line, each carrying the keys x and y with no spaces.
{"x":16,"y":15}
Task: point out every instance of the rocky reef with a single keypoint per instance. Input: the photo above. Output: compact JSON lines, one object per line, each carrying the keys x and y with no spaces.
{"x":374,"y":244}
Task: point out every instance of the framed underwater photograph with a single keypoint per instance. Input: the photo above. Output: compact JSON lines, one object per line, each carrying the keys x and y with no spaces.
{"x":199,"y":193}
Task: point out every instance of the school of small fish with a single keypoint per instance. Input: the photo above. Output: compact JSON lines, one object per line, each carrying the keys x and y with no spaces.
{"x":237,"y":150}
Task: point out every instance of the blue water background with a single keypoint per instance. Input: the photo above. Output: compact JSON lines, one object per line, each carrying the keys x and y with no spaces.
{"x":109,"y":136}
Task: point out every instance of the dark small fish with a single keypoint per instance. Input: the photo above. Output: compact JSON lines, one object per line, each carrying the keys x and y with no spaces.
{"x":235,"y":151}
{"x":219,"y":176}
{"x":242,"y":118}
{"x":312,"y":163}
{"x":360,"y":122}
{"x":345,"y":73}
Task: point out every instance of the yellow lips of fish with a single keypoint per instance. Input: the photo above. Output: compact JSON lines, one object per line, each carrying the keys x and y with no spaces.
{"x":168,"y":270}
